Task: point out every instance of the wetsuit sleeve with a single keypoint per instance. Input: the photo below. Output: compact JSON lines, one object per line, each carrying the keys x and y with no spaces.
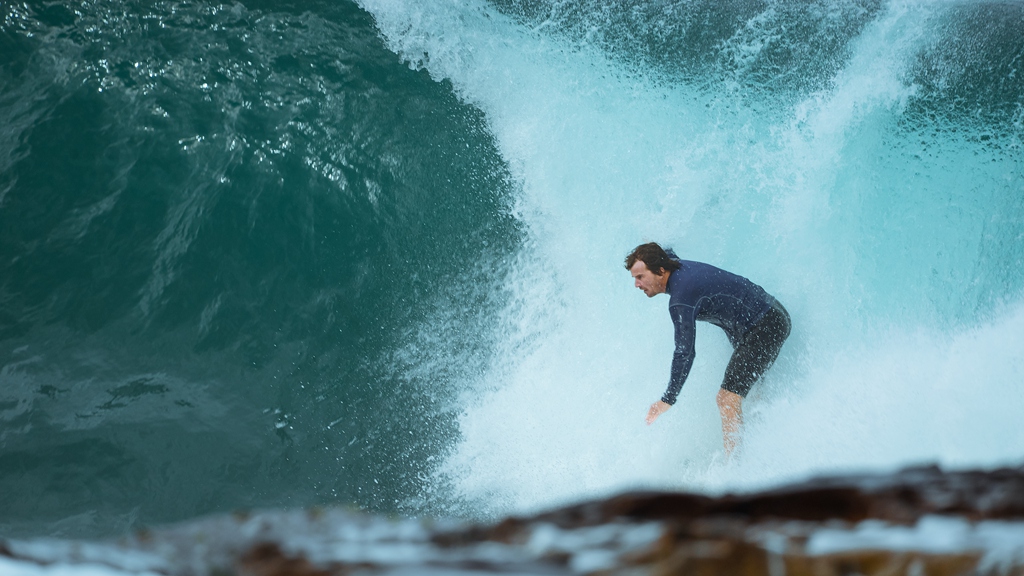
{"x":685,"y":322}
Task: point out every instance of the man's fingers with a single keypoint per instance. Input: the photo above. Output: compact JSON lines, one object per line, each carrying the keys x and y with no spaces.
{"x":652,"y":414}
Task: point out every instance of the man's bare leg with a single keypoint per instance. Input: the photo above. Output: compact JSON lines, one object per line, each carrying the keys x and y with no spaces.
{"x":731,"y":407}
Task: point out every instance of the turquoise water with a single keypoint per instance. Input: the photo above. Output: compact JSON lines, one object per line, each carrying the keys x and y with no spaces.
{"x":282,"y":254}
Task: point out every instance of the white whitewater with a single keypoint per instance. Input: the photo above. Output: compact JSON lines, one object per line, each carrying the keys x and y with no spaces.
{"x":877,"y":237}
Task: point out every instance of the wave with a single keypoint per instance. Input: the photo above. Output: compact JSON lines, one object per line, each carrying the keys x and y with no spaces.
{"x":860,"y":160}
{"x":224,"y":229}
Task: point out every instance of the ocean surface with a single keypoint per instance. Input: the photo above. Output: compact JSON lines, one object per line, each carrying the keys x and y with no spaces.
{"x":288,"y":253}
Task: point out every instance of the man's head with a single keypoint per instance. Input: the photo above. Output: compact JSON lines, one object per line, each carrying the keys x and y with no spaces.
{"x":650,"y":267}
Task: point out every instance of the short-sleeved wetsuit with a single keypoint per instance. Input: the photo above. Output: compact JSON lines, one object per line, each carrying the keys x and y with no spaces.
{"x":754,"y":321}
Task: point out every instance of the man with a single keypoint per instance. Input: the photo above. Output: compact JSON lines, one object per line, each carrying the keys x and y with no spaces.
{"x":754,"y":321}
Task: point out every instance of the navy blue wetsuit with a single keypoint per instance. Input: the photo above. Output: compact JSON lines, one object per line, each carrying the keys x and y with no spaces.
{"x":754,"y":321}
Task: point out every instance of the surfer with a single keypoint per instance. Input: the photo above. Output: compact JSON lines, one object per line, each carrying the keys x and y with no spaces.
{"x":754,"y":321}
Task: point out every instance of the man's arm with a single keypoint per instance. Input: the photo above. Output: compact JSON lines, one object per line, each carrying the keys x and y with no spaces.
{"x":685,"y":323}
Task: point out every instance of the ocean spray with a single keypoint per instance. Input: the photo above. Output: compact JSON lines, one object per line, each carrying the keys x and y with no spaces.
{"x":884,"y":217}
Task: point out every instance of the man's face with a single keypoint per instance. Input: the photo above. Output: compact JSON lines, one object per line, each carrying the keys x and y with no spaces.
{"x":652,"y":284}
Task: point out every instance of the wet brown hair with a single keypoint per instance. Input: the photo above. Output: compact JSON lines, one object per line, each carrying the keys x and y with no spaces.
{"x":654,"y":257}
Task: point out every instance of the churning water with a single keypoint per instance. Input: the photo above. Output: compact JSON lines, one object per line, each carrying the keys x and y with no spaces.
{"x":286,"y":253}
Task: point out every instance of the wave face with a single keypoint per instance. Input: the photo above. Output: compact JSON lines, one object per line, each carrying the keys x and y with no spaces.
{"x":293,"y":253}
{"x":862,"y":160}
{"x":245,"y":253}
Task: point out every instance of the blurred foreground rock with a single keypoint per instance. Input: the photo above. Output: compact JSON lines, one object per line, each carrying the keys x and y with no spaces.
{"x":917,"y":522}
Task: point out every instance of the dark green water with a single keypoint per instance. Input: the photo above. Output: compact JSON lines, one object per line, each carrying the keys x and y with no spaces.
{"x":240,"y":246}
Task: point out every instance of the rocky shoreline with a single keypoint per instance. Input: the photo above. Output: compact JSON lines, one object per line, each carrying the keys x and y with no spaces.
{"x":916,"y":522}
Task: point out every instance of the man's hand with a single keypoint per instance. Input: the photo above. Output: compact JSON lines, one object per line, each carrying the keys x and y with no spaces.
{"x":657,"y":409}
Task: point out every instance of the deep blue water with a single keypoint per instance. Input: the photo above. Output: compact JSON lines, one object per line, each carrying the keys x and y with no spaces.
{"x":267,"y":254}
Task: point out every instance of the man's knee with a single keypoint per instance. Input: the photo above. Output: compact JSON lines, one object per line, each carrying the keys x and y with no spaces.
{"x":728,"y":400}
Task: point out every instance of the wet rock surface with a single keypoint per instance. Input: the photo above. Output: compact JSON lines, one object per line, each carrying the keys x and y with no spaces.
{"x":918,"y":521}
